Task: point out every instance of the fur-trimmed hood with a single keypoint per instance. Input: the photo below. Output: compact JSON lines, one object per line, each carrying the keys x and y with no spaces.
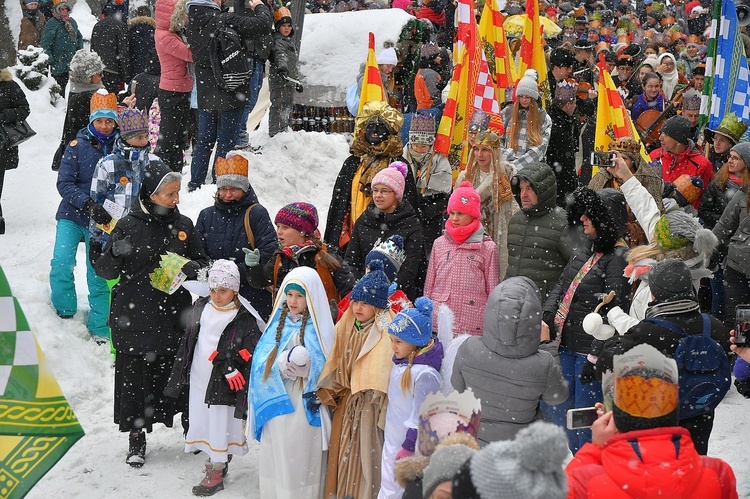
{"x":608,"y":212}
{"x":5,"y":75}
{"x":179,"y":17}
{"x":142,"y":20}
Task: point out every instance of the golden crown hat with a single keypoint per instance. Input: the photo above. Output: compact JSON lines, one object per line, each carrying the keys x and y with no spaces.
{"x":103,"y":100}
{"x":488,"y":138}
{"x":168,"y":276}
{"x":625,"y":144}
{"x":442,"y":415}
{"x":732,"y":127}
{"x":233,"y":165}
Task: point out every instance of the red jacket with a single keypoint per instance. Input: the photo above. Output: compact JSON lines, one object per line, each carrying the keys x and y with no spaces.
{"x":691,"y":162}
{"x":661,"y":462}
{"x":174,"y":55}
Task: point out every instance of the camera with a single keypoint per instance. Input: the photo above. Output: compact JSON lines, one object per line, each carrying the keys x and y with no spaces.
{"x":742,"y":326}
{"x":581,"y":418}
{"x":602,"y":158}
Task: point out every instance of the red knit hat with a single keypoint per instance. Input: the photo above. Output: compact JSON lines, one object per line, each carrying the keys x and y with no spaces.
{"x":465,"y":199}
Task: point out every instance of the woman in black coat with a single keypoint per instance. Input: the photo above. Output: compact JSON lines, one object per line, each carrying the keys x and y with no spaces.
{"x":147,"y":323}
{"x":386,"y":215}
{"x":141,"y":44}
{"x":222,"y":227}
{"x":13,"y":108}
{"x":590,"y":273}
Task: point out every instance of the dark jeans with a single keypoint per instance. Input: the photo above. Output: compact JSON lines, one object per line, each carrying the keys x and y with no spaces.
{"x":214,"y":127}
{"x":736,"y":292}
{"x":173,"y":129}
{"x":717,"y":294}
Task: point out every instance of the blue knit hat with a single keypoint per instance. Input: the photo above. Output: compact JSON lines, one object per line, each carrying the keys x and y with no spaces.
{"x":373,"y":287}
{"x":414,"y":325}
{"x":391,"y":253}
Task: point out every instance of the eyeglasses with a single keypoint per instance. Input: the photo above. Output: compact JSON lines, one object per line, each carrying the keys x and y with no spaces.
{"x":382,"y":191}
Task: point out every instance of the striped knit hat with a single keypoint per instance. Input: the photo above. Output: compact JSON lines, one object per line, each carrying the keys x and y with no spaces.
{"x":300,"y":216}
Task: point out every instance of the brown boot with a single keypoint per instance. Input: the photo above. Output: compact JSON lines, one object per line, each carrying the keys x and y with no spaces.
{"x":212,"y":482}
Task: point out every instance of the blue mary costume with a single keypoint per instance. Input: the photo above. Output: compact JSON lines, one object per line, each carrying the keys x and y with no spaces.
{"x":290,"y":428}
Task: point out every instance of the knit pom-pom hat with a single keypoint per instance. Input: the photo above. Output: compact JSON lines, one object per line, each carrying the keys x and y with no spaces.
{"x":393,"y":177}
{"x":465,"y":199}
{"x":300,"y":216}
{"x":391,"y":253}
{"x":414,"y":325}
{"x":372,"y":288}
{"x":528,"y":85}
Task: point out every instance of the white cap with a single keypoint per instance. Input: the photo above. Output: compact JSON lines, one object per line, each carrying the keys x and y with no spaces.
{"x":388,"y":56}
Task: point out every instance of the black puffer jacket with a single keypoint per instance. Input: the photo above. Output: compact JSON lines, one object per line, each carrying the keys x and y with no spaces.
{"x":13,"y":107}
{"x":607,"y":211}
{"x":242,"y":333}
{"x":141,"y":43}
{"x":204,"y":18}
{"x":538,"y":245}
{"x":144,"y":319}
{"x":374,"y":226}
{"x":109,"y":39}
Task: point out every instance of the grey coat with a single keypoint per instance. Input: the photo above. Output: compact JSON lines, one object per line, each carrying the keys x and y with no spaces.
{"x":505,"y":367}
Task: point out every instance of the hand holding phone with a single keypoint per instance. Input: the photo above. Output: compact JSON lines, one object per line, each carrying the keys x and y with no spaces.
{"x":742,"y":326}
{"x":603,"y":158}
{"x":579,"y":419}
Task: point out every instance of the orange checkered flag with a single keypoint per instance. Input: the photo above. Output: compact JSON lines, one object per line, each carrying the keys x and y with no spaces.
{"x":372,"y":84}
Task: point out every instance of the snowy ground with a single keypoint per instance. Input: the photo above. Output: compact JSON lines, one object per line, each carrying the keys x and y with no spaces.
{"x":290,"y":167}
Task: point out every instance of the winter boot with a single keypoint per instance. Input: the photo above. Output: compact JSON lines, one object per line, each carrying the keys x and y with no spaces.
{"x":212,"y":482}
{"x":137,"y":451}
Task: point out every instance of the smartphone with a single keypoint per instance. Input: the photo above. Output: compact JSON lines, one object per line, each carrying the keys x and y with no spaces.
{"x":132,"y":87}
{"x":602,"y":158}
{"x":581,"y":418}
{"x":742,"y":326}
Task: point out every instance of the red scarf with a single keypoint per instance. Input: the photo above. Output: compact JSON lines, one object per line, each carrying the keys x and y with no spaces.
{"x":461,"y":234}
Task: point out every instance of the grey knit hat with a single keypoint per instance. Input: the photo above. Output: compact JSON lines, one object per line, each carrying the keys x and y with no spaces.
{"x":678,"y":128}
{"x":528,"y":85}
{"x":670,"y":278}
{"x":743,"y":149}
{"x":529,"y":467}
{"x":85,"y":64}
{"x":444,"y":464}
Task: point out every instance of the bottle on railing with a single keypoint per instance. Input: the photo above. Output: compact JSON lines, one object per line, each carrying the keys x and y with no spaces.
{"x":332,"y":124}
{"x":310,"y":119}
{"x":303,"y":118}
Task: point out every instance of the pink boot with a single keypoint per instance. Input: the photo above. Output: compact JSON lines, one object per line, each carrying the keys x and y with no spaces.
{"x":212,"y":482}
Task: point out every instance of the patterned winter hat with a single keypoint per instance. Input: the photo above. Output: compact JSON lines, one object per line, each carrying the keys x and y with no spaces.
{"x":224,"y":274}
{"x":414,"y":325}
{"x":481,"y":120}
{"x":300,"y":216}
{"x":429,"y":51}
{"x":232,"y":171}
{"x":103,"y":105}
{"x":465,"y":199}
{"x":373,"y":287}
{"x":565,"y":91}
{"x":393,"y":177}
{"x":84,"y":65}
{"x":691,"y":101}
{"x":676,"y":229}
{"x":391,"y":253}
{"x":422,"y":129}
{"x":133,"y":122}
{"x":691,"y":188}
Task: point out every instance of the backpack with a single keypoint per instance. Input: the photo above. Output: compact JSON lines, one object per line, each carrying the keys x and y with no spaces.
{"x":228,"y":61}
{"x":703,"y":365}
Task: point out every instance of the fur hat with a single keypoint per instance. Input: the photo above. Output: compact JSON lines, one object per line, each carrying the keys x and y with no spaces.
{"x":232,"y":171}
{"x":414,"y":325}
{"x":531,"y":466}
{"x":300,"y":216}
{"x":133,"y":122}
{"x":103,"y":105}
{"x":391,"y":253}
{"x":84,"y":65}
{"x":562,"y":57}
{"x":422,"y":129}
{"x":373,"y":287}
{"x":528,"y":85}
{"x":388,"y":56}
{"x":670,"y":278}
{"x":393,"y":177}
{"x":224,"y":274}
{"x":59,"y":4}
{"x":607,"y":210}
{"x":465,"y":199}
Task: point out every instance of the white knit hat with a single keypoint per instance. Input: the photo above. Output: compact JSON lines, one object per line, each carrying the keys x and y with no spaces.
{"x":224,"y":274}
{"x":528,"y":85}
{"x":388,"y":56}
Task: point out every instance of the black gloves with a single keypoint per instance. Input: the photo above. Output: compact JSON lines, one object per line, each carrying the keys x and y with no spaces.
{"x":282,"y":72}
{"x":588,"y":373}
{"x":121,"y":247}
{"x":299,"y":88}
{"x":334,"y":307}
{"x":190,"y":269}
{"x":743,"y":387}
{"x":97,"y":211}
{"x":95,"y":251}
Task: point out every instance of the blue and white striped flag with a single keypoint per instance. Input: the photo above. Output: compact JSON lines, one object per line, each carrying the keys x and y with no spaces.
{"x":730,"y":87}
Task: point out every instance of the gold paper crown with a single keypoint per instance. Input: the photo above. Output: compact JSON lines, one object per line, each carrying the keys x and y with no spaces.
{"x":443,"y":415}
{"x":732,"y":127}
{"x":234,"y":165}
{"x":164,"y":277}
{"x":626,"y":144}
{"x":103,"y":100}
{"x":568,"y":22}
{"x":488,"y":138}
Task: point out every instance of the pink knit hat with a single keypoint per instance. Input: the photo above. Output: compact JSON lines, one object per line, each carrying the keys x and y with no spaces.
{"x":393,"y":177}
{"x":465,"y":200}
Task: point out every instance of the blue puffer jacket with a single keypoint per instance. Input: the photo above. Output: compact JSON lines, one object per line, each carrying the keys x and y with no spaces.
{"x":76,"y":170}
{"x":221,"y":228}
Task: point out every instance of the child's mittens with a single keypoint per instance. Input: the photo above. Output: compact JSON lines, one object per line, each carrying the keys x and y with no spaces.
{"x":252,"y":257}
{"x":402,"y":453}
{"x":236,"y":380}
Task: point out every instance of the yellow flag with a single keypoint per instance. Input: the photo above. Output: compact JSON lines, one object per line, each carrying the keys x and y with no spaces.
{"x":372,"y":84}
{"x":532,"y":52}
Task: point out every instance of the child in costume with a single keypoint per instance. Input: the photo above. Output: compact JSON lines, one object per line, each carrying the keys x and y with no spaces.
{"x":354,"y":382}
{"x":464,"y":266}
{"x":415,"y":374}
{"x":213,"y":360}
{"x":287,"y":417}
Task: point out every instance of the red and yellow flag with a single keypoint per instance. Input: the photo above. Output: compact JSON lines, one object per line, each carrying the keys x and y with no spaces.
{"x":495,"y":45}
{"x":531,"y":53}
{"x":612,"y":117}
{"x":372,"y":84}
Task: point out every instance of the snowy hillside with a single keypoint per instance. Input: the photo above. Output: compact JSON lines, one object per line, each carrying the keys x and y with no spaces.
{"x":290,"y":167}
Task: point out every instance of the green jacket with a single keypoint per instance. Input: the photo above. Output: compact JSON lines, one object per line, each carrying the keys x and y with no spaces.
{"x":59,"y":45}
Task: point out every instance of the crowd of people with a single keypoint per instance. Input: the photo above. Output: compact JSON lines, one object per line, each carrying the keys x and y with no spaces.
{"x":526,"y":277}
